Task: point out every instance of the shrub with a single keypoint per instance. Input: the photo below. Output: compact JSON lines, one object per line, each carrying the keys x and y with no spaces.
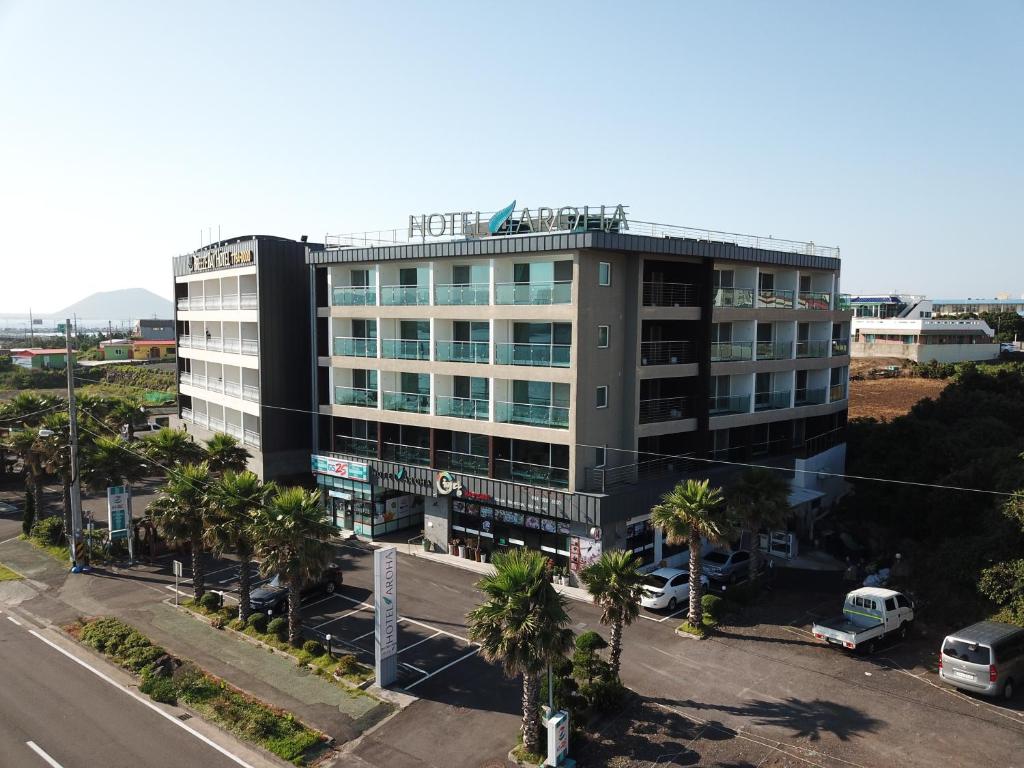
{"x":347,"y":664}
{"x":160,"y":688}
{"x":258,"y":621}
{"x":605,"y":694}
{"x":712,"y":606}
{"x":236,"y":624}
{"x":49,"y":530}
{"x":212,"y":601}
{"x":278,"y":627}
{"x":586,"y":663}
{"x":142,"y":657}
{"x":313,"y":648}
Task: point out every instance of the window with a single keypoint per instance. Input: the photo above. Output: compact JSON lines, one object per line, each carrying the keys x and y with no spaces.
{"x":890,"y":604}
{"x":602,"y":397}
{"x":723,"y":278}
{"x":902,"y":601}
{"x":600,"y":456}
{"x":604,"y":273}
{"x":602,"y":336}
{"x":805,"y":283}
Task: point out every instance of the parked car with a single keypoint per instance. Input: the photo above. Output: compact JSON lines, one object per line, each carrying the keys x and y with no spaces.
{"x":729,"y":567}
{"x":986,"y":658}
{"x":869,"y":614}
{"x":273,"y":595}
{"x":667,"y":587}
{"x":145,"y":430}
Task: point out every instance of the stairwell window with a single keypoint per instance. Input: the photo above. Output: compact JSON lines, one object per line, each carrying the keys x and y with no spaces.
{"x":604,"y":273}
{"x":602,"y":336}
{"x":602,"y":397}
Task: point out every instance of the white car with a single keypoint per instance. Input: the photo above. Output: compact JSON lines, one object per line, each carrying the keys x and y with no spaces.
{"x":667,"y":587}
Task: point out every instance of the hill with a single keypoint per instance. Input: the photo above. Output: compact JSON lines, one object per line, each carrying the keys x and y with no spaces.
{"x":117,"y":306}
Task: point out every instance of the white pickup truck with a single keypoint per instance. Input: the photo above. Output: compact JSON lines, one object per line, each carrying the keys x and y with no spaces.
{"x":869,"y":614}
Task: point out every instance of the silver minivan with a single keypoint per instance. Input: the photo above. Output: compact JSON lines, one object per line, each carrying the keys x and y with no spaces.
{"x":986,"y":658}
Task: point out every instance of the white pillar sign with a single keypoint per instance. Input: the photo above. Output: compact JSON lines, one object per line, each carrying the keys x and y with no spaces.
{"x":385,"y":604}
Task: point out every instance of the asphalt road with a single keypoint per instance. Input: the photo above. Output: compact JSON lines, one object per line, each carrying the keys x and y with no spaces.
{"x":77,"y":718}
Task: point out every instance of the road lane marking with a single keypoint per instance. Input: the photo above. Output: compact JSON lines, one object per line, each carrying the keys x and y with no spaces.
{"x":442,"y":669}
{"x":138,"y":697}
{"x":11,"y":618}
{"x":39,"y":751}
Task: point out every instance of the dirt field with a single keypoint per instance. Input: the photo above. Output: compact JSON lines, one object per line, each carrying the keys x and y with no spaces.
{"x":885,"y":399}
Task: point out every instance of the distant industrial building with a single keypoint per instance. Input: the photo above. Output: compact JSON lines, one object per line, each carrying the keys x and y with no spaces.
{"x":976,"y":306}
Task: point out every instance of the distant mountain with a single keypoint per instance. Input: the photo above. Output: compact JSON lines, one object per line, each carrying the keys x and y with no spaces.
{"x":117,"y":306}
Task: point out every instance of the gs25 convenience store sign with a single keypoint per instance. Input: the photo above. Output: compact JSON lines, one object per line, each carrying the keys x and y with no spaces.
{"x":328,"y":465}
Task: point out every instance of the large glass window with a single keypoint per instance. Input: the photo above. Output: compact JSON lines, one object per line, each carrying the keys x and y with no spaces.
{"x":414,"y":330}
{"x":413,"y":276}
{"x":465,"y":330}
{"x":470,"y":274}
{"x":360,"y":278}
{"x":415,"y":383}
{"x":472,"y":387}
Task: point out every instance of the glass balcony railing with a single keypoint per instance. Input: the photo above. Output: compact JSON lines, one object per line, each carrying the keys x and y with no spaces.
{"x":366,"y":398}
{"x":843,"y":302}
{"x":406,"y":349}
{"x":814,"y":300}
{"x":808,"y":396}
{"x":664,"y":409}
{"x":670,"y":295}
{"x":359,"y":446}
{"x":462,"y":295}
{"x":836,"y":393}
{"x":767,"y":401}
{"x":812,"y":348}
{"x":840,"y":347}
{"x":354,"y":296}
{"x":345,"y":346}
{"x":462,"y":351}
{"x":533,"y":293}
{"x":666,"y":352}
{"x":774,"y":350}
{"x":410,"y":402}
{"x":404,"y":295}
{"x":734,"y":297}
{"x":532,"y":415}
{"x":531,"y":474}
{"x":726,"y":404}
{"x":462,"y":408}
{"x":406,"y":454}
{"x":471,"y":464}
{"x":731,"y":351}
{"x":774,"y":299}
{"x":545,"y":355}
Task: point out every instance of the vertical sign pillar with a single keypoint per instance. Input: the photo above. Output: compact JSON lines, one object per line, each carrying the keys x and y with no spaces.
{"x":385,"y":604}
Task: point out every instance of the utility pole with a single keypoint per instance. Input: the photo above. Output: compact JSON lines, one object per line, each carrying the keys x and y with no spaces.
{"x":76,"y":488}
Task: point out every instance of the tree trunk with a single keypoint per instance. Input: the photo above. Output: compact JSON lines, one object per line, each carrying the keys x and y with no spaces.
{"x":67,"y":511}
{"x":244,"y":579}
{"x":294,"y":609}
{"x":696,"y":615}
{"x":755,"y":555}
{"x":37,"y":491}
{"x":615,"y":647}
{"x":198,"y":576}
{"x":531,"y":714}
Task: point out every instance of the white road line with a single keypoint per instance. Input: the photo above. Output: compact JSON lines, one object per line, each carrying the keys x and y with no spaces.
{"x":11,"y":618}
{"x":39,"y":751}
{"x":414,"y":669}
{"x":418,"y":642}
{"x":365,"y":634}
{"x":138,"y":697}
{"x":13,"y":538}
{"x":339,"y":618}
{"x":442,"y":669}
{"x":435,"y":629}
{"x":211,"y":573}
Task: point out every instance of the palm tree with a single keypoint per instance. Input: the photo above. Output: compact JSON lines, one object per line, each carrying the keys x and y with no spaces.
{"x":523,"y":624}
{"x":292,"y":540}
{"x":616,"y":584}
{"x":172,"y":446}
{"x":26,"y":445}
{"x":180,"y":513}
{"x":688,"y":512}
{"x":109,"y":461}
{"x":54,"y":452}
{"x":761,"y":500}
{"x":224,"y":453}
{"x":236,"y":500}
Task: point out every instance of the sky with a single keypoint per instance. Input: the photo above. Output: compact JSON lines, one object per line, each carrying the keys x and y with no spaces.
{"x":127,"y":129}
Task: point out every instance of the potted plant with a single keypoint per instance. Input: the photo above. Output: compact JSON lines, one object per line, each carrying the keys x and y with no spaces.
{"x":451,"y":547}
{"x":462,"y":547}
{"x":483,"y":556}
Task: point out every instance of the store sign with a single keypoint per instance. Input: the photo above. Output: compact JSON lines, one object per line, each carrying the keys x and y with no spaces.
{"x":328,"y":465}
{"x":118,"y":511}
{"x":446,"y":484}
{"x":401,"y":475}
{"x":219,"y":259}
{"x":506,"y":222}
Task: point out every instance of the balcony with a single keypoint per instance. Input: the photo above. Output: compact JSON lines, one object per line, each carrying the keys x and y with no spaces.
{"x":670,"y":295}
{"x":732,"y":351}
{"x":742,"y":298}
{"x":248,"y":301}
{"x":806,"y":396}
{"x":408,"y":402}
{"x":543,"y":355}
{"x":840,"y":347}
{"x":604,"y":479}
{"x":666,"y":352}
{"x":355,"y":346}
{"x":773,"y":299}
{"x":404,"y":295}
{"x":532,"y":415}
{"x":814,"y":300}
{"x":406,"y":454}
{"x":462,"y":408}
{"x":664,"y":409}
{"x":836,"y":393}
{"x":406,"y":349}
{"x":250,"y":392}
{"x":365,"y":398}
{"x":770,"y":401}
{"x":727,"y":404}
{"x":531,"y":474}
{"x":462,"y":352}
{"x":533,"y":293}
{"x":250,"y":347}
{"x":843,"y":302}
{"x":251,"y":437}
{"x":354,"y":296}
{"x":469,"y":463}
{"x":477,"y":294}
{"x":358,"y":446}
{"x":182,"y":303}
{"x":774,"y":350}
{"x":811,"y":348}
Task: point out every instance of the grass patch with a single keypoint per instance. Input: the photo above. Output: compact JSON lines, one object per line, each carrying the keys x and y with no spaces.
{"x":524,"y":756}
{"x":170,"y":680}
{"x":6,"y":574}
{"x":707,"y":624}
{"x":56,"y":551}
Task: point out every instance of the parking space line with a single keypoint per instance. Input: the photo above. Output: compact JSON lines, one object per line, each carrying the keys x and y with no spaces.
{"x":212,"y":573}
{"x":418,"y":642}
{"x":435,"y":629}
{"x":442,"y":669}
{"x":11,"y":618}
{"x":339,"y":618}
{"x":46,"y":758}
{"x":365,"y":634}
{"x":414,"y":669}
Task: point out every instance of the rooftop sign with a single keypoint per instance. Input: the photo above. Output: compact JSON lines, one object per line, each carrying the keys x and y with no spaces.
{"x":509,"y":221}
{"x":219,"y":259}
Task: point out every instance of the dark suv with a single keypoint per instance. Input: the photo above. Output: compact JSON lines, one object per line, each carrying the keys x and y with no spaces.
{"x":273,"y":596}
